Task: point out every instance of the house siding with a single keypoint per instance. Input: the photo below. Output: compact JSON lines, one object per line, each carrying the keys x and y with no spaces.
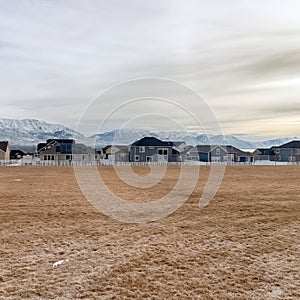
{"x":4,"y":151}
{"x":145,"y":152}
{"x":67,"y":151}
{"x":150,"y":149}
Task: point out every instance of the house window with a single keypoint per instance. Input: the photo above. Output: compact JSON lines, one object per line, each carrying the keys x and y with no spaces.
{"x":68,"y":157}
{"x":142,"y":149}
{"x":45,"y":157}
{"x":218,"y":151}
{"x":163,"y":152}
{"x":149,"y":158}
{"x":83,"y":157}
{"x":215,"y":159}
{"x":136,"y":158}
{"x":52,"y":157}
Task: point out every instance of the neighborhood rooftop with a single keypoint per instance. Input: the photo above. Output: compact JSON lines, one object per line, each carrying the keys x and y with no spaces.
{"x":150,"y":149}
{"x":153,"y":141}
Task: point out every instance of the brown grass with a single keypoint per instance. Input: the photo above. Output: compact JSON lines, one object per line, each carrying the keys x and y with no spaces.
{"x":244,"y":245}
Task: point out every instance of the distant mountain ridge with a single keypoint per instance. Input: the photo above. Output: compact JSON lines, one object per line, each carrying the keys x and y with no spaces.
{"x":127,"y":136}
{"x":28,"y":132}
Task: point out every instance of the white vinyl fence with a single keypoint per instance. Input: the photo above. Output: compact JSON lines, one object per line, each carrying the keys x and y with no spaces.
{"x":104,"y":162}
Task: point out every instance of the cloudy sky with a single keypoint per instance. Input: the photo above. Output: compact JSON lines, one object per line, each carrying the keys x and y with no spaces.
{"x":242,"y":57}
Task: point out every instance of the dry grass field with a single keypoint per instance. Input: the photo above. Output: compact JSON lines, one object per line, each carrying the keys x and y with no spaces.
{"x":243,"y":245}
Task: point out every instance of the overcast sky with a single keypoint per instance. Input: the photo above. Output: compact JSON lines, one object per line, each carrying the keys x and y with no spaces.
{"x":243,"y":57}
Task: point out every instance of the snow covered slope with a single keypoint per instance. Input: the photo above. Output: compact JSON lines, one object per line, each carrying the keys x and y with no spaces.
{"x":29,"y":132}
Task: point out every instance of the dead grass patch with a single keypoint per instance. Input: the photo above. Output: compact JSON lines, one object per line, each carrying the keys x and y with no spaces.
{"x":244,"y":245}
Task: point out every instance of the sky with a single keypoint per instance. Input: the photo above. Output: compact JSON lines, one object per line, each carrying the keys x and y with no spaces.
{"x":57,"y":58}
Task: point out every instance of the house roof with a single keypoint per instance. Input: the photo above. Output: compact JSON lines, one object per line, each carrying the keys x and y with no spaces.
{"x":106,"y":147}
{"x":209,"y":148}
{"x":118,"y":148}
{"x":61,"y":141}
{"x":14,"y":152}
{"x":41,"y":146}
{"x":232,"y":149}
{"x":264,"y":151}
{"x":3,"y":146}
{"x":292,"y":144}
{"x":204,"y":148}
{"x":179,"y":143}
{"x":122,"y":148}
{"x":229,"y":149}
{"x":152,"y":141}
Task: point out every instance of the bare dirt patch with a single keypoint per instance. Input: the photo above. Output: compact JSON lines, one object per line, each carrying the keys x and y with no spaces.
{"x":244,"y":245}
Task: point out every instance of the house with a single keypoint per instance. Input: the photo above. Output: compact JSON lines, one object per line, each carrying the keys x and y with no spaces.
{"x":289,"y":152}
{"x":151,"y":149}
{"x":237,"y":155}
{"x":264,"y":154}
{"x":16,"y":154}
{"x":219,"y":153}
{"x":116,"y":153}
{"x":58,"y":150}
{"x":4,"y":150}
{"x":186,"y":153}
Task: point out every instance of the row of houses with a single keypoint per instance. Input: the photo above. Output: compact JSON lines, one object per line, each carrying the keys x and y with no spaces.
{"x":151,"y":149}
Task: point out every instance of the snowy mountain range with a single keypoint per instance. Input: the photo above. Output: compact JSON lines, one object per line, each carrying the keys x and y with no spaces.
{"x":29,"y":132}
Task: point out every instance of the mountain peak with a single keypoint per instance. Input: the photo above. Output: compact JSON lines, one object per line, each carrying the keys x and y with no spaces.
{"x":28,"y":132}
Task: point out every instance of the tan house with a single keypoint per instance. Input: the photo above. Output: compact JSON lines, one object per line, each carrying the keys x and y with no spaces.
{"x":116,"y":153}
{"x":4,"y":150}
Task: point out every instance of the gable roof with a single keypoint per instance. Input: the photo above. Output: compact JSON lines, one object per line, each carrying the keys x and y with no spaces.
{"x":264,"y":151}
{"x":152,"y":141}
{"x":292,"y":144}
{"x":232,"y":149}
{"x":227,"y":148}
{"x":61,"y":141}
{"x":117,"y":148}
{"x":16,"y":152}
{"x":204,"y":148}
{"x":3,"y":146}
{"x":40,"y":146}
{"x":106,"y":147}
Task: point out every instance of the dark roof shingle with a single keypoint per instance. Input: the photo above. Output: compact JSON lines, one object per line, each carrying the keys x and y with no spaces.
{"x":3,"y":145}
{"x":152,"y":141}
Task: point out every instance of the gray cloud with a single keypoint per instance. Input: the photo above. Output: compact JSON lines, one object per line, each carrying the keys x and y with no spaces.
{"x":56,"y":56}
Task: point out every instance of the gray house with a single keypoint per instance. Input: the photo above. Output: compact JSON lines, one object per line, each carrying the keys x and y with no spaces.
{"x":65,"y":150}
{"x":289,"y":152}
{"x":151,"y":149}
{"x":219,"y":153}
